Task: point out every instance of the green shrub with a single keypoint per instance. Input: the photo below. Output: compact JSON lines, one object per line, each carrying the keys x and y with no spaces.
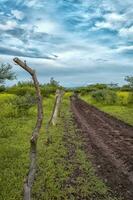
{"x":124,"y":98}
{"x":46,"y":91}
{"x":130,"y":98}
{"x":110,"y":97}
{"x":98,"y":95}
{"x":21,"y":91}
{"x":2,"y":88}
{"x":22,"y":104}
{"x":105,"y":96}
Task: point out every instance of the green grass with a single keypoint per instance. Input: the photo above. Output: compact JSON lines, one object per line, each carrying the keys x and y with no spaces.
{"x":122,"y":112}
{"x":64,"y":170}
{"x":55,"y":178}
{"x":125,"y":113}
{"x":14,"y":148}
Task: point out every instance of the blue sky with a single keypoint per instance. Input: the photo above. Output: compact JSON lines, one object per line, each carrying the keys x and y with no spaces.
{"x":77,"y":42}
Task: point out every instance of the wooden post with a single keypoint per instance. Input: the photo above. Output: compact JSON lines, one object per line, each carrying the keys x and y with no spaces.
{"x":33,"y":141}
{"x":59,"y":94}
{"x":56,"y":108}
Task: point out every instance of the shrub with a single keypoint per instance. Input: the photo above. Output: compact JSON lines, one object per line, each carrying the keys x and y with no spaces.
{"x":130,"y":98}
{"x":46,"y":91}
{"x":22,"y":104}
{"x":105,"y":96}
{"x":122,"y":98}
{"x":21,"y":91}
{"x":98,"y":95}
{"x":2,"y":88}
{"x":125,"y":88}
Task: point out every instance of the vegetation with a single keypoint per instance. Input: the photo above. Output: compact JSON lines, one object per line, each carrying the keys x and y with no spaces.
{"x":6,"y":73}
{"x":117,"y":101}
{"x":105,"y":96}
{"x":56,"y":165}
{"x":22,"y":104}
{"x":129,"y":79}
{"x":64,"y":170}
{"x":15,"y":133}
{"x":122,"y":111}
{"x":22,"y":88}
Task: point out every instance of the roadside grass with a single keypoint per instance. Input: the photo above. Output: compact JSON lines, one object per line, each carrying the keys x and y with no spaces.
{"x":122,"y":112}
{"x":15,"y":133}
{"x":63,"y":171}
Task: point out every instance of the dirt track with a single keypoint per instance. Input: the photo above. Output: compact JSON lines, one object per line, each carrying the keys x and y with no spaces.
{"x":109,"y":143}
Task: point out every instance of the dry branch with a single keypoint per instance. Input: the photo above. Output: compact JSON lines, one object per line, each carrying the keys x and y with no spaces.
{"x":33,"y":141}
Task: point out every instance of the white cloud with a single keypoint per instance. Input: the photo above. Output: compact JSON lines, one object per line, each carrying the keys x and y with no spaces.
{"x":34,"y":3}
{"x":69,"y":36}
{"x":112,"y":21}
{"x":17,"y":14}
{"x":114,"y":17}
{"x":11,"y":41}
{"x":101,"y":25}
{"x":122,"y":49}
{"x":126,"y":32}
{"x":1,"y":13}
{"x":49,"y":27}
{"x":31,"y":3}
{"x":9,"y":25}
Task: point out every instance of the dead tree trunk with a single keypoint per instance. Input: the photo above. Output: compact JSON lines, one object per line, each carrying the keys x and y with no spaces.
{"x":56,"y":109}
{"x":33,"y":141}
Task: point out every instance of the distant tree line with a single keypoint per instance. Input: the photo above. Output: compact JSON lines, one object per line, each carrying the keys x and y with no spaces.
{"x":21,"y":88}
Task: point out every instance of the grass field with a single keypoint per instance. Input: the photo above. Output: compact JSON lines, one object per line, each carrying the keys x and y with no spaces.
{"x":123,"y":112}
{"x":58,"y":161}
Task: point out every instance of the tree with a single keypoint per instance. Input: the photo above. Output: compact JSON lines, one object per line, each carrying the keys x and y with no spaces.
{"x":54,"y":82}
{"x":6,"y":73}
{"x":113,"y":85}
{"x":129,"y":79}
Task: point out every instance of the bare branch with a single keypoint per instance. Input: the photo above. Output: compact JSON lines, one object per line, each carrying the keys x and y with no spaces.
{"x":33,"y":141}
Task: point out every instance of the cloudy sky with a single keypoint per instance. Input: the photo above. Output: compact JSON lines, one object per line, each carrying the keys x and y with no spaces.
{"x":77,"y":42}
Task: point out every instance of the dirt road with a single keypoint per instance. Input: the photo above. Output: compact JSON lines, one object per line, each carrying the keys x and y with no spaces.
{"x":109,"y":144}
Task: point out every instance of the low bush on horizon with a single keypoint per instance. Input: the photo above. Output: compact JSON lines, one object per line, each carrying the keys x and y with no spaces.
{"x":105,"y":96}
{"x":22,"y":88}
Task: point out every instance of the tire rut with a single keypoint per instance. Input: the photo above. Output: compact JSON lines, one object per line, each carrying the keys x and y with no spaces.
{"x":110,"y":143}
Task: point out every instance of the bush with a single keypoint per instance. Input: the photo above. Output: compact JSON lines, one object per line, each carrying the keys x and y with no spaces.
{"x":125,"y":88}
{"x":2,"y":88}
{"x":105,"y":96}
{"x":22,"y":104}
{"x":46,"y":91}
{"x":130,"y":98}
{"x":21,"y":91}
{"x":122,"y":97}
{"x":98,"y":95}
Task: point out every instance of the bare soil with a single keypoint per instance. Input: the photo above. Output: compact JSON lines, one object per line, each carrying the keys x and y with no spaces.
{"x":109,"y":145}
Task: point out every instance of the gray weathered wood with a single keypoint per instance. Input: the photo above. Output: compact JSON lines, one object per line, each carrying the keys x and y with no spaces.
{"x":56,"y":110}
{"x":33,"y":141}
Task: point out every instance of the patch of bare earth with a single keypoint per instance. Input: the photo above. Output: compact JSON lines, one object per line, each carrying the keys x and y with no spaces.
{"x":109,"y":144}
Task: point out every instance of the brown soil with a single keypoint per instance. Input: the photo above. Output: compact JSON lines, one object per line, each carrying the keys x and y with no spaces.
{"x":109,"y":144}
